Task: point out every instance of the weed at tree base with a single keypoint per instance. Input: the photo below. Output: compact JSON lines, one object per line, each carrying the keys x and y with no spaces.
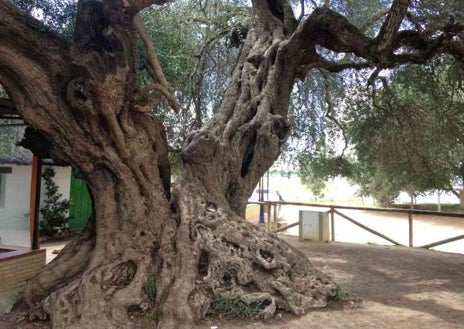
{"x":150,"y":288}
{"x":344,"y":292}
{"x":152,"y":316}
{"x":235,"y":308}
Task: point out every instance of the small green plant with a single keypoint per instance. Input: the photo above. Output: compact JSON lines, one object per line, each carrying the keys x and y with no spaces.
{"x":55,"y":212}
{"x":235,"y":308}
{"x":150,"y":288}
{"x":152,"y":316}
{"x":344,"y":292}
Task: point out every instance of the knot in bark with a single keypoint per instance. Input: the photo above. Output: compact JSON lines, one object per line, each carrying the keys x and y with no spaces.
{"x":201,"y":147}
{"x":123,"y":274}
{"x":79,"y":95}
{"x":281,"y":128}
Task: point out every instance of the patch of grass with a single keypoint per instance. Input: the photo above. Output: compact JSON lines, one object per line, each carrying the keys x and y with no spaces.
{"x":150,"y":288}
{"x":152,"y":316}
{"x":344,"y":292}
{"x":235,"y":308}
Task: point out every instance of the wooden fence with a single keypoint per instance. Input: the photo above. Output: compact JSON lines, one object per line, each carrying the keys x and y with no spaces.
{"x":271,"y":207}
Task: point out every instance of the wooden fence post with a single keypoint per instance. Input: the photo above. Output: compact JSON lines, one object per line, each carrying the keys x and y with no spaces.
{"x":332,"y":222}
{"x":411,"y":231}
{"x":36,"y":178}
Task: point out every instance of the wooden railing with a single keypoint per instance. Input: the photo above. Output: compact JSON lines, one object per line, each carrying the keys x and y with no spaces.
{"x":335,"y":210}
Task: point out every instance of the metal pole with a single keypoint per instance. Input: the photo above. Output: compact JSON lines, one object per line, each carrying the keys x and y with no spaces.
{"x":411,"y":232}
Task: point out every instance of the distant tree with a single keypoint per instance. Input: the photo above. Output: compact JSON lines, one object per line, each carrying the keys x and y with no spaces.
{"x":411,"y":132}
{"x":403,"y":132}
{"x":317,"y":170}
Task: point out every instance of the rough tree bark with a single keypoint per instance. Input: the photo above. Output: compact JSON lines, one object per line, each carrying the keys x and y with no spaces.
{"x":196,"y":245}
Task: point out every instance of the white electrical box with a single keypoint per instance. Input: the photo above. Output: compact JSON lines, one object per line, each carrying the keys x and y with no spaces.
{"x":314,"y":225}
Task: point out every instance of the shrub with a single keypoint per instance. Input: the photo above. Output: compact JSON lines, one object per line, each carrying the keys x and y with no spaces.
{"x":55,"y":212}
{"x":344,"y":292}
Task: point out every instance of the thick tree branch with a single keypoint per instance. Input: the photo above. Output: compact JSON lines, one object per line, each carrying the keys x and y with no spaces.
{"x":335,"y":67}
{"x":30,"y":40}
{"x":275,"y":13}
{"x":137,"y":5}
{"x":32,"y":59}
{"x":392,"y":23}
{"x":302,"y":10}
{"x":333,"y":31}
{"x":151,"y":52}
{"x":456,"y":49}
{"x":330,"y":113}
{"x":161,"y":84}
{"x":452,"y":190}
{"x":374,"y":18}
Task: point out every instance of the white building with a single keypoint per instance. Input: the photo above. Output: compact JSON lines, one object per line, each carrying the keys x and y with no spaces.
{"x":15,"y":197}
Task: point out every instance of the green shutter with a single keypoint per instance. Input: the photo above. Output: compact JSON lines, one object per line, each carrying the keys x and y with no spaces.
{"x":81,"y":204}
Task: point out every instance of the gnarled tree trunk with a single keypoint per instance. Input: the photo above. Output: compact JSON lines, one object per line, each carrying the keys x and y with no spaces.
{"x":195,"y":246}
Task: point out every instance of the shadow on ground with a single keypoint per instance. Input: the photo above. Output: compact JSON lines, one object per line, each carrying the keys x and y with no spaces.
{"x":420,"y":280}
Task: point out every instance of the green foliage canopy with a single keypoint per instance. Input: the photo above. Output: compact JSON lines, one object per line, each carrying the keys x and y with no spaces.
{"x":400,"y":133}
{"x":404,"y":133}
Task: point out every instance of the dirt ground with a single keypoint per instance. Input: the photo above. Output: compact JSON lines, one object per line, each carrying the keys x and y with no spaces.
{"x":400,"y":288}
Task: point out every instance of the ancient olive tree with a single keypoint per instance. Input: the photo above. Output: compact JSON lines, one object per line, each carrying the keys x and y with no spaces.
{"x":191,"y":241}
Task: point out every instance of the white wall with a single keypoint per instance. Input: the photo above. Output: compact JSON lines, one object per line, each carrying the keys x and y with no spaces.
{"x":14,"y":216}
{"x":62,"y":179}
